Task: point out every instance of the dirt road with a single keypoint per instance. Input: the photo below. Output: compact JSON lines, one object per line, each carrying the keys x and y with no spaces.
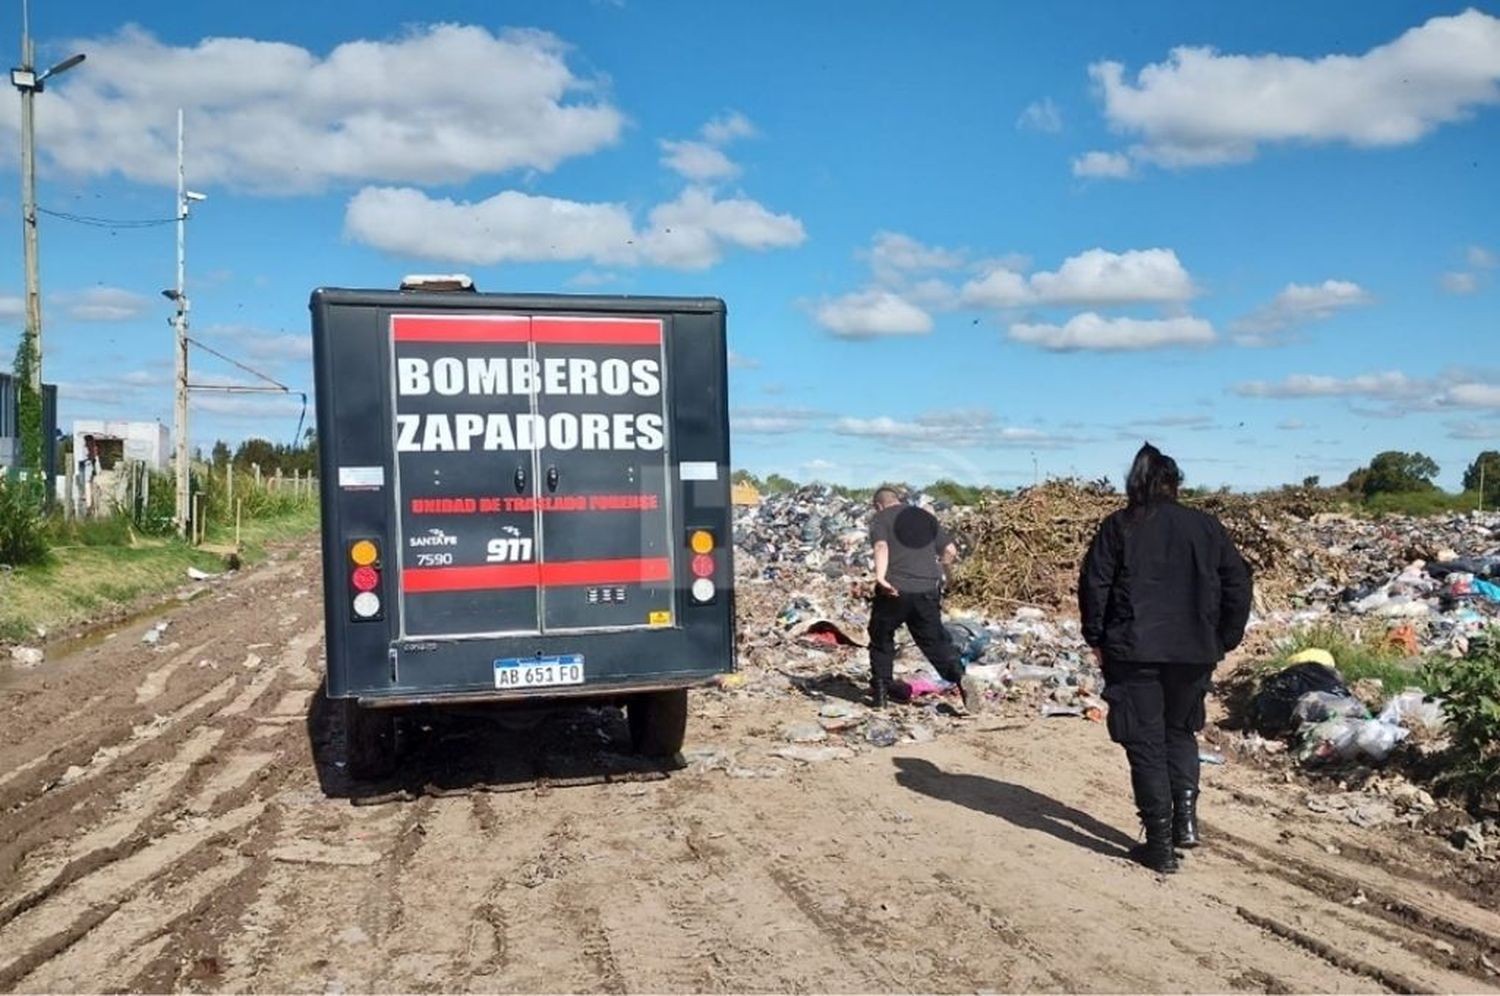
{"x":172,"y":818}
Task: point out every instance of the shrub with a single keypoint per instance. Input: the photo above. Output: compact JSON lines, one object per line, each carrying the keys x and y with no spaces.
{"x":23,"y":531}
{"x":1471,"y":690}
{"x":113,"y":530}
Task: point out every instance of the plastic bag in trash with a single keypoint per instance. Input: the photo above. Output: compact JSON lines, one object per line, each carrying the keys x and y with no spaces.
{"x":1273,"y":705}
{"x":1314,"y":707}
{"x":1331,"y":740}
{"x":970,"y":639}
{"x":1376,"y":739}
{"x":1414,"y":710}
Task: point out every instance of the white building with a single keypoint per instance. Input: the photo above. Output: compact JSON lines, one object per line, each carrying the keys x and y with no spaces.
{"x":107,"y":443}
{"x":102,"y":453}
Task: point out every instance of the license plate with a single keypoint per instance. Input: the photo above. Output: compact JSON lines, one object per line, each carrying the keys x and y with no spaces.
{"x":539,"y":672}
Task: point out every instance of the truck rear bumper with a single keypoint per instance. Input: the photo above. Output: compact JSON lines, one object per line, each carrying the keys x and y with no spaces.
{"x":606,"y":692}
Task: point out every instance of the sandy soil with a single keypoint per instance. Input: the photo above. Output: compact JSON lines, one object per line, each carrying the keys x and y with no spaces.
{"x":173,"y":817}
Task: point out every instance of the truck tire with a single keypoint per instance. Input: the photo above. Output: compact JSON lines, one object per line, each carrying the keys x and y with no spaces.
{"x":369,"y":742}
{"x":658,"y":722}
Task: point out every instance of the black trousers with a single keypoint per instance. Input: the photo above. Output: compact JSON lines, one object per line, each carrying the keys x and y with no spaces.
{"x":1155,"y":713}
{"x":922,"y":614}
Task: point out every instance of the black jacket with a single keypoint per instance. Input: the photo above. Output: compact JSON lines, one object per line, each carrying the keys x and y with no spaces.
{"x":1163,"y":585}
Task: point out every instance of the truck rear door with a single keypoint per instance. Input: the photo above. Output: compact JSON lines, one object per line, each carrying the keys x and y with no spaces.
{"x":605,"y":517}
{"x":531,"y":474}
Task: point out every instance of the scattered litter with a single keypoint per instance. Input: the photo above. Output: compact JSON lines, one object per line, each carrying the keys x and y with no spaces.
{"x":803,"y":733}
{"x":27,"y":656}
{"x":153,"y":635}
{"x":813,"y":755}
{"x":197,"y":575}
{"x":311,"y":852}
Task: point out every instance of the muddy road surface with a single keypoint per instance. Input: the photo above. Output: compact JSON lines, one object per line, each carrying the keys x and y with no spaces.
{"x":173,"y":817}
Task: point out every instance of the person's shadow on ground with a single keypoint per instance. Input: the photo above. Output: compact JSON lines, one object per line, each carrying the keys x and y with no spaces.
{"x":1016,"y":804}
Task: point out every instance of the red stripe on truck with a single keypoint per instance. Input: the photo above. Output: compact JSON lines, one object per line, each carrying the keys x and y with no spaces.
{"x":430,"y":328}
{"x":607,"y":332}
{"x":491,"y":577}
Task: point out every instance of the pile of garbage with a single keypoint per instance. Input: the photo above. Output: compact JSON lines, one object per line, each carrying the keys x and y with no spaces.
{"x":1310,"y":701}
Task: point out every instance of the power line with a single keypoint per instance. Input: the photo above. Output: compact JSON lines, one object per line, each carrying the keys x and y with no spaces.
{"x":278,"y":388}
{"x":95,"y":222}
{"x":249,"y":370}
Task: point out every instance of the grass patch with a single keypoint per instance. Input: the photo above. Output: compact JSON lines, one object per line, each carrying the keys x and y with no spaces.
{"x":1434,"y":502}
{"x":1359,"y":652}
{"x":81,"y":581}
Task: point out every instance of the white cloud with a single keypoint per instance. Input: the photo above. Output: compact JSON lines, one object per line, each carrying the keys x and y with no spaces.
{"x":249,"y":406}
{"x":773,"y":420}
{"x":1103,"y":165}
{"x":1297,"y":304}
{"x":252,"y":344}
{"x":1202,"y":107}
{"x":1091,"y":331}
{"x":739,"y":361}
{"x":113,"y":391}
{"x":727,"y":128}
{"x":591,"y":278}
{"x":12,"y":308}
{"x":1391,"y":384}
{"x":1099,"y":276}
{"x":1096,"y":277}
{"x":102,"y":304}
{"x":697,"y":161}
{"x":955,"y":429}
{"x":1291,"y":425}
{"x":439,"y":104}
{"x":691,"y":232}
{"x":1041,"y":115}
{"x":873,"y":312}
{"x":1175,"y":422}
{"x":1459,"y":283}
{"x":820,"y":468}
{"x":894,"y":256}
{"x":1471,"y":395}
{"x":1481,"y":258}
{"x":1474,"y":430}
{"x":705,"y":160}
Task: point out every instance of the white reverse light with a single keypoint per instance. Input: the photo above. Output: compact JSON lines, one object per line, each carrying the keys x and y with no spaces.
{"x":366,"y":604}
{"x":703,"y":589}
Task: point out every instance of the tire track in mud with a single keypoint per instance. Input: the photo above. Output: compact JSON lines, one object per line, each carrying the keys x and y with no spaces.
{"x":48,"y":929}
{"x":1430,"y":937}
{"x":132,"y":821}
{"x":752,"y":915}
{"x":147,"y":837}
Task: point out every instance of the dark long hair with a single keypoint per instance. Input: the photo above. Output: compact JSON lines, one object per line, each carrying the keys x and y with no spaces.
{"x":1153,"y":478}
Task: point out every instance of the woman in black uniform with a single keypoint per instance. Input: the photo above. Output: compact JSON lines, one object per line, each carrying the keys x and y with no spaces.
{"x":1163,"y":595}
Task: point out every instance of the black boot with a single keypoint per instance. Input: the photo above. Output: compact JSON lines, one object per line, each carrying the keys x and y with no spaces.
{"x":879,"y":693}
{"x":1157,"y":852}
{"x":1185,"y":818}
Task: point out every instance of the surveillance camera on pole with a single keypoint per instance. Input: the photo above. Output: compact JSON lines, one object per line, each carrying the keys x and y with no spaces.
{"x":178,"y":295}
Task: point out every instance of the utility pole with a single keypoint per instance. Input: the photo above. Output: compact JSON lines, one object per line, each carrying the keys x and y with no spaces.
{"x":179,"y":321}
{"x":26,"y":79}
{"x":33,"y":340}
{"x":178,"y":296}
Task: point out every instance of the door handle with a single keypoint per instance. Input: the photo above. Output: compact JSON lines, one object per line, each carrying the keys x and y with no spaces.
{"x":520,"y":480}
{"x":552,"y":478}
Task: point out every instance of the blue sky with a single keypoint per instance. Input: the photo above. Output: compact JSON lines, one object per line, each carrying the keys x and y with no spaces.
{"x":980,"y":240}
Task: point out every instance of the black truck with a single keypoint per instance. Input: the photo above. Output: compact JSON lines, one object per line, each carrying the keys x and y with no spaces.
{"x":524,"y":498}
